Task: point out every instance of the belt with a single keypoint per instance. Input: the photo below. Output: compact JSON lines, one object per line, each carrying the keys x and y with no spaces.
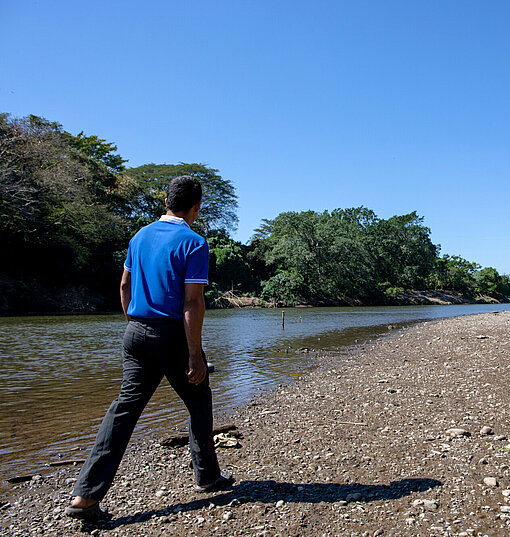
{"x":155,"y":320}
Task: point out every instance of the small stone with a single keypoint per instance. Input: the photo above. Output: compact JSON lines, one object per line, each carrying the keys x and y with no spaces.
{"x":483,"y":460}
{"x":280,"y":503}
{"x":430,"y":505}
{"x":505,"y":508}
{"x":506,"y":493}
{"x":457,"y":432}
{"x":200,"y":519}
{"x":499,"y":437}
{"x":485,"y":431}
{"x":410,"y":521}
{"x":490,"y":481}
{"x":417,"y":503}
{"x":228,"y":515}
{"x":160,"y":493}
{"x":37,"y":477}
{"x":70,"y":480}
{"x":377,"y":532}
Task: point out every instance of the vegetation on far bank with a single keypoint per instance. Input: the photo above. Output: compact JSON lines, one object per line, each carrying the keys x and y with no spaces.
{"x":69,"y":205}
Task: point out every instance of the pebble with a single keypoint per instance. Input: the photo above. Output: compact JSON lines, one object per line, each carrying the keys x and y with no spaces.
{"x":200,"y":519}
{"x":490,"y":481}
{"x":505,"y":508}
{"x":160,"y":493}
{"x":457,"y":432}
{"x":506,"y":492}
{"x":430,"y":505}
{"x":70,"y":480}
{"x":228,"y":515}
{"x":280,"y":503}
{"x":486,"y":431}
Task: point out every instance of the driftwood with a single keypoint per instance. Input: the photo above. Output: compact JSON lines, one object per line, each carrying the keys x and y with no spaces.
{"x":29,"y":477}
{"x":67,"y":462}
{"x":181,"y":439}
{"x":360,"y":423}
{"x":20,"y":478}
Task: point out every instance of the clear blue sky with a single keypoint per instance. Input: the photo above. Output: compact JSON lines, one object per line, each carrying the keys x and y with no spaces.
{"x":394,"y":105}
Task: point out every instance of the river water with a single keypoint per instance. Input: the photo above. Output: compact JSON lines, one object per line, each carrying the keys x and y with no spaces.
{"x":59,"y":374}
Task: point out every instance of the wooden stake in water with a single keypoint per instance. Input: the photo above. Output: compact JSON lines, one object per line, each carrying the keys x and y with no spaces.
{"x":283,"y":319}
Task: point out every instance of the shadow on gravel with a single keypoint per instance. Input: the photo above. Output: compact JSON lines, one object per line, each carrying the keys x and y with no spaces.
{"x":273,"y":491}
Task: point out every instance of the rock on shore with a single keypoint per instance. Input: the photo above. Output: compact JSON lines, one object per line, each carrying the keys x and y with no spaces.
{"x":402,"y":436}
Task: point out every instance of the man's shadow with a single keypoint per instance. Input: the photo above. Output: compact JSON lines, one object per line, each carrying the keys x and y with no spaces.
{"x":272,"y":491}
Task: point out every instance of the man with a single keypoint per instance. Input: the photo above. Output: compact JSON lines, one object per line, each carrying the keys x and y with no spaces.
{"x":162,"y":298}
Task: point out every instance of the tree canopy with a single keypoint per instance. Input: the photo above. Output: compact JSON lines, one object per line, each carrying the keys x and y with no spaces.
{"x":68,"y":207}
{"x":219,"y":200}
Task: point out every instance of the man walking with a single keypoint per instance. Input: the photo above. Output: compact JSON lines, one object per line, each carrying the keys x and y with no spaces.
{"x":162,"y":298}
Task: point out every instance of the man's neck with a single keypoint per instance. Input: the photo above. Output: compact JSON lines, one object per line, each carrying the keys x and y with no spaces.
{"x":185,"y":215}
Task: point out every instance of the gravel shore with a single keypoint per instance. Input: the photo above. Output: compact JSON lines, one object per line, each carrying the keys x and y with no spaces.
{"x":401,"y":436}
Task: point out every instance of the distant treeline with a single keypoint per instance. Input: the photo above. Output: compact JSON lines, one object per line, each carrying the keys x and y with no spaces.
{"x":69,"y":205}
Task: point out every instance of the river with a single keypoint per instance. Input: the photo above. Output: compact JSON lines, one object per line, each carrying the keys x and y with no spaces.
{"x":58,"y":374}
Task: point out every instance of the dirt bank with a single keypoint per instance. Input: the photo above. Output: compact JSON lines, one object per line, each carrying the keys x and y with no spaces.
{"x":401,"y":436}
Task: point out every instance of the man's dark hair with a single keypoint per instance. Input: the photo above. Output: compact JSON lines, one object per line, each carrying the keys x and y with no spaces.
{"x":183,"y":192}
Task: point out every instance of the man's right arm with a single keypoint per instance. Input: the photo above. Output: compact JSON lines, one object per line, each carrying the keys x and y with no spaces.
{"x":194,"y":309}
{"x":125,"y":292}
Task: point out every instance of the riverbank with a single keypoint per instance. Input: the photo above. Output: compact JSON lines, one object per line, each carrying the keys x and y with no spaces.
{"x":31,"y":298}
{"x":404,"y":298}
{"x":387,"y":438}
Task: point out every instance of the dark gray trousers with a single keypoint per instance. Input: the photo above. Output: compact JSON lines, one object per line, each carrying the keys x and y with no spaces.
{"x":151,"y":350}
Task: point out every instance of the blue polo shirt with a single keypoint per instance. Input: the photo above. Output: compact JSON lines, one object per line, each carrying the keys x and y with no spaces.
{"x":162,"y":257}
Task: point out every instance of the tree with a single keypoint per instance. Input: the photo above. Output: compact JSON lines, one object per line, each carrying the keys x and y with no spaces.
{"x":219,"y":201}
{"x":454,"y":273}
{"x":51,"y":208}
{"x":488,"y":281}
{"x":404,"y":252}
{"x":228,"y":265}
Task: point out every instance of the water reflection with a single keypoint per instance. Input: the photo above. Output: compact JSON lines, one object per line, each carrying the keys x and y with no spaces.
{"x":58,"y":375}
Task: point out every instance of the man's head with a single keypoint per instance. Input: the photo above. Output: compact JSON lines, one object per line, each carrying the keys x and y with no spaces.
{"x":183,"y":193}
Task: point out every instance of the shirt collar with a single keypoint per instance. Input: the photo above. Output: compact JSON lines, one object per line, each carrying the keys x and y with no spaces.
{"x":173,"y":220}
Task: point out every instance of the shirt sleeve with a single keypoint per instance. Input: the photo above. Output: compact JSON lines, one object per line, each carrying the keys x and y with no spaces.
{"x":128,"y":262}
{"x":197,"y":265}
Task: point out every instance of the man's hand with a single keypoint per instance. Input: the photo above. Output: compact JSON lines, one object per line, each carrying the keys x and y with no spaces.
{"x":197,"y":370}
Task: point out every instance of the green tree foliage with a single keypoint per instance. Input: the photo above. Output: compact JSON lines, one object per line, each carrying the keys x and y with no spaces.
{"x":404,"y":253}
{"x":455,"y":274}
{"x":147,"y":185}
{"x":488,"y":282}
{"x":68,"y":207}
{"x":228,"y":265}
{"x":345,"y":255}
{"x":56,"y":224}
